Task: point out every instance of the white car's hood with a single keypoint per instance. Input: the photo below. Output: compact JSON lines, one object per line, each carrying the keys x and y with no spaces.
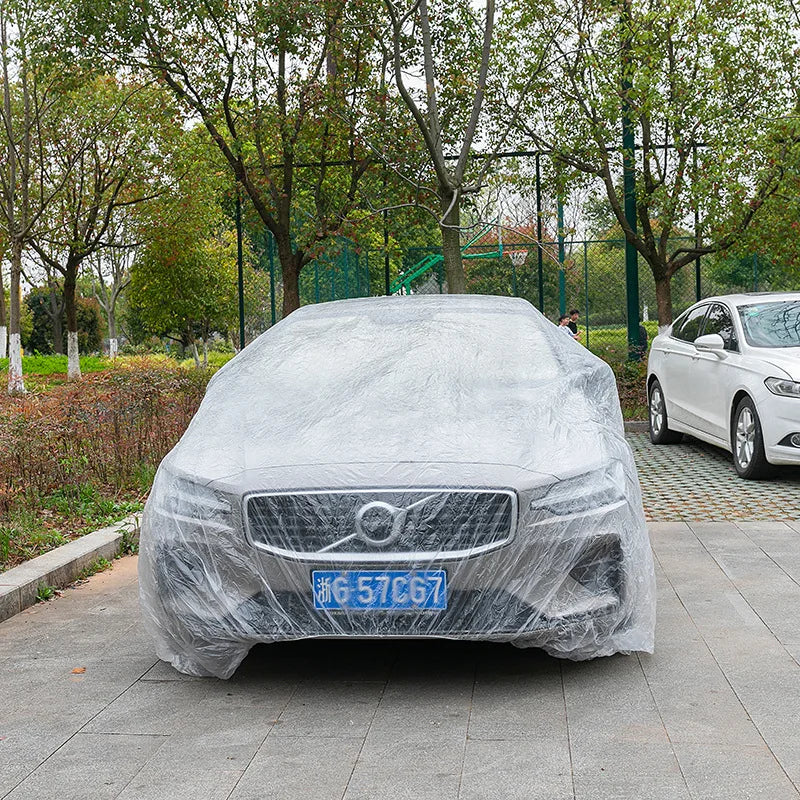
{"x":785,"y":359}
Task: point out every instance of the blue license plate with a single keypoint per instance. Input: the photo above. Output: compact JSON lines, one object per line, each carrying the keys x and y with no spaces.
{"x":394,"y":590}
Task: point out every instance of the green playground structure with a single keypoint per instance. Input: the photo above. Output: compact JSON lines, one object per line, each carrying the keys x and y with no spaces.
{"x":402,"y":283}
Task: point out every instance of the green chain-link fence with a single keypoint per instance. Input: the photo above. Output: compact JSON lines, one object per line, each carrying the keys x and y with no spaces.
{"x":591,"y":279}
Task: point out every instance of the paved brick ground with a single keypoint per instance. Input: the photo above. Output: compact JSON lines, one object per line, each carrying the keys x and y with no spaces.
{"x":87,"y":711}
{"x":695,"y":481}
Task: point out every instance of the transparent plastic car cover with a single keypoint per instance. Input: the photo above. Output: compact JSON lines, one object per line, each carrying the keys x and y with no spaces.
{"x":448,"y":466}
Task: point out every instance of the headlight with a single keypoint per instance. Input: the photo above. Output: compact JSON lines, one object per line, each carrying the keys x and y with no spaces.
{"x":583,"y":492}
{"x":783,"y":387}
{"x":178,"y":497}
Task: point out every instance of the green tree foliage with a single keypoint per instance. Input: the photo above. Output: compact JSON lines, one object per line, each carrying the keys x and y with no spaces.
{"x":184,"y":279}
{"x":711,"y":89}
{"x":275,"y":84}
{"x":38,"y":338}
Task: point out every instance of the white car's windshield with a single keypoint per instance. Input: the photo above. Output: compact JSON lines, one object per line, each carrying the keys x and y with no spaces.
{"x":775,"y":324}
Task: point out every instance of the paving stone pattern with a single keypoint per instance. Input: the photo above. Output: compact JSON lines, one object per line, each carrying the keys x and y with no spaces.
{"x":695,"y":481}
{"x":88,"y":712}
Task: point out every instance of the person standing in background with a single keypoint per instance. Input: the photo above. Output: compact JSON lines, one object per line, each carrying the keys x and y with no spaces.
{"x":573,"y":323}
{"x":563,"y":324}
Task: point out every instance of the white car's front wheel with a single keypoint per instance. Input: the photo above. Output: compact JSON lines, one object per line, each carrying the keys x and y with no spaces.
{"x":747,"y":442}
{"x":659,"y":428}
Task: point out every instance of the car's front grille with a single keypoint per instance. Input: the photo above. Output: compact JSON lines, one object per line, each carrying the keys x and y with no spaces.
{"x":390,"y":524}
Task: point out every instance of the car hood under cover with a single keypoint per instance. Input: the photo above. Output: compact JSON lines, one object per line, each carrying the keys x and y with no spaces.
{"x":365,"y":387}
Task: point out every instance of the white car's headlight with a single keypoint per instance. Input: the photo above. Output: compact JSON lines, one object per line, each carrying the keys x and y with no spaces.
{"x":783,"y":387}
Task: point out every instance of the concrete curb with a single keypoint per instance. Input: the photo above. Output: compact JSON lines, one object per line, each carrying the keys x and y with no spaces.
{"x":636,"y":426}
{"x":60,"y":567}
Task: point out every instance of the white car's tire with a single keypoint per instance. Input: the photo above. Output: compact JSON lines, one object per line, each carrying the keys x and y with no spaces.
{"x":747,"y":443}
{"x":657,"y":415}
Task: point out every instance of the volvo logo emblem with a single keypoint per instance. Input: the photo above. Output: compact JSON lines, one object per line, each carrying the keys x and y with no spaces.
{"x":380,"y":524}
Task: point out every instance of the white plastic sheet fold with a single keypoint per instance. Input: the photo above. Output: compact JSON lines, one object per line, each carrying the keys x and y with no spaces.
{"x":448,"y":466}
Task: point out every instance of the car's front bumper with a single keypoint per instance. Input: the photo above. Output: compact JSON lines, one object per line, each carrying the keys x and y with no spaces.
{"x":780,"y":418}
{"x":572,"y":585}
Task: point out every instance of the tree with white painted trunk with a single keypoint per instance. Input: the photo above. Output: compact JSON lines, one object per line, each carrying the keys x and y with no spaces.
{"x":114,"y":148}
{"x":111,"y":267}
{"x":3,"y":325}
{"x":32,"y":89}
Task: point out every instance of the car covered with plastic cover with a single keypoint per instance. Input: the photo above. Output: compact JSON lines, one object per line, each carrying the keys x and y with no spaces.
{"x":437,"y":466}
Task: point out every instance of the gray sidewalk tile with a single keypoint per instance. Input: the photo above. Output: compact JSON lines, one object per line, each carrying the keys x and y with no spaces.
{"x":307,"y":768}
{"x":733,"y":773}
{"x":63,"y":696}
{"x":152,"y":783}
{"x":22,"y":751}
{"x":398,"y":770}
{"x":518,"y":706}
{"x":150,"y":707}
{"x":334,"y":709}
{"x":88,"y":767}
{"x":608,"y":701}
{"x":414,"y":709}
{"x":626,"y":771}
{"x":224,"y":731}
{"x":520,"y":769}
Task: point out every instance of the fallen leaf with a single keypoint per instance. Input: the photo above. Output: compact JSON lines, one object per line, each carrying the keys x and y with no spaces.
{"x":79,"y":670}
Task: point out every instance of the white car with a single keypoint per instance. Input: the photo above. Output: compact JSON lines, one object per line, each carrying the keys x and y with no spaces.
{"x":727,"y":371}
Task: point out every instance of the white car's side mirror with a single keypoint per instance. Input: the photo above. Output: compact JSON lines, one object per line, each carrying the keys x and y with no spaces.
{"x":711,"y":342}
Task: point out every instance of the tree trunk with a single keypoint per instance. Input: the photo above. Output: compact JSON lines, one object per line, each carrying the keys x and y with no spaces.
{"x":451,"y":245}
{"x":205,"y":351}
{"x":290,"y":272}
{"x":111,"y":318}
{"x":55,"y":321}
{"x":195,"y":354}
{"x":16,"y":384}
{"x":663,"y":301}
{"x":71,"y":314}
{"x":3,"y":326}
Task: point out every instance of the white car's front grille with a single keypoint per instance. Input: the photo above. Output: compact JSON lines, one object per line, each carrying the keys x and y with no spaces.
{"x":381,"y":524}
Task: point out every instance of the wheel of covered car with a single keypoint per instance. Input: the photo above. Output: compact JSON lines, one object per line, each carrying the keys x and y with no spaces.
{"x":659,"y":423}
{"x":747,"y":442}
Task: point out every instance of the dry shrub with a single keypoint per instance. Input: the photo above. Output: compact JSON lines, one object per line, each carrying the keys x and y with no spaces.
{"x":631,"y":383}
{"x":111,"y":429}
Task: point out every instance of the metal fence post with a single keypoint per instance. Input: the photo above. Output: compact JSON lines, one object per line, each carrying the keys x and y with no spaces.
{"x":540,"y":263}
{"x":562,"y":278}
{"x":386,"y":275}
{"x":629,"y":183}
{"x":240,"y":265}
{"x":586,"y":286}
{"x":698,"y":239}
